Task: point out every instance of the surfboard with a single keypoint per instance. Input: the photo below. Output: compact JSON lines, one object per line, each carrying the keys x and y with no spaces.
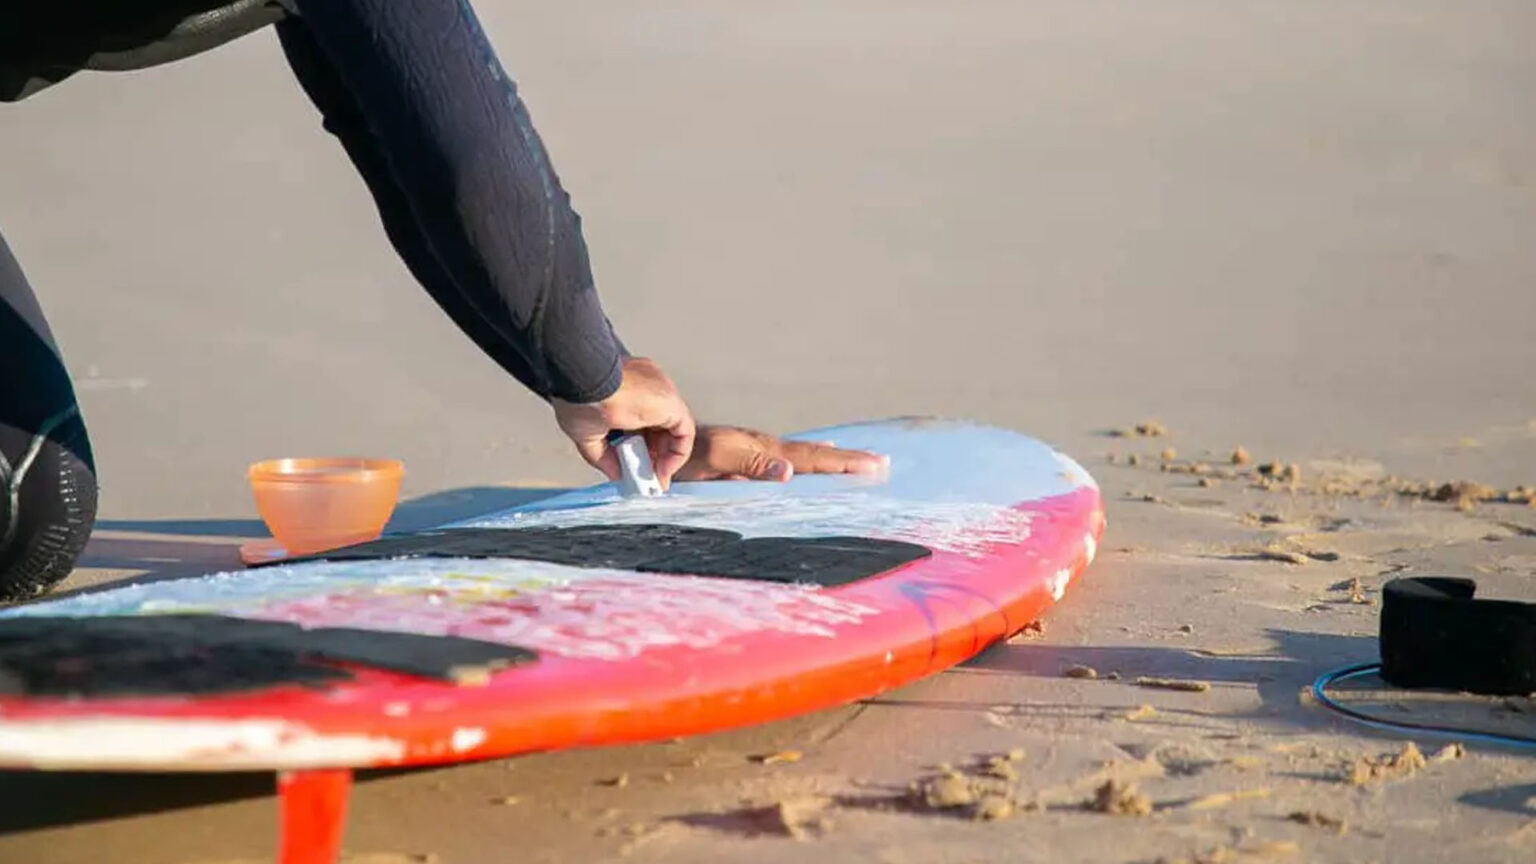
{"x":586,"y":619}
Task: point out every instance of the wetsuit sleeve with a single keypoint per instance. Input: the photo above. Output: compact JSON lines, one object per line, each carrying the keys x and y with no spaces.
{"x":461,"y":147}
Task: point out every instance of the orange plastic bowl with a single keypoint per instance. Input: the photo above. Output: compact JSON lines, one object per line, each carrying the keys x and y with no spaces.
{"x":311,"y":505}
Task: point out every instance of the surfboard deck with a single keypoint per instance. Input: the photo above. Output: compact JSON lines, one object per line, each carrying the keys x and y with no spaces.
{"x":586,"y":619}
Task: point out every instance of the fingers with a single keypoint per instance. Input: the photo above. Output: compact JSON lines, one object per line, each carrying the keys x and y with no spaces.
{"x":760,"y":466}
{"x":660,"y":410}
{"x":815,"y":458}
{"x":743,"y":456}
{"x":773,"y":470}
{"x":671,"y":447}
{"x":733,"y":453}
{"x":646,"y":402}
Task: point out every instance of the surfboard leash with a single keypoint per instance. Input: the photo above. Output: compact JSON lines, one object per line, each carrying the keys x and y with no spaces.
{"x":1436,"y":634}
{"x":1344,"y":673}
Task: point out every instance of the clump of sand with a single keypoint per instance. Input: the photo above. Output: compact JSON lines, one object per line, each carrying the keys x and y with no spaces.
{"x":1119,"y":799}
{"x":1333,"y":479}
{"x":990,"y":808}
{"x":1144,"y":429}
{"x":803,"y":818}
{"x":1392,"y":766}
{"x":985,"y":794}
{"x":1184,"y":685}
{"x":1465,"y":494}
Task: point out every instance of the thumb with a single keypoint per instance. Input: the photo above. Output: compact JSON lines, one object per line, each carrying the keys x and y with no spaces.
{"x":600,"y":455}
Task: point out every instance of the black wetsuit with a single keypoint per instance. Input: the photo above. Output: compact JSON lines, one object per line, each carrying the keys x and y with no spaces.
{"x":417,"y":97}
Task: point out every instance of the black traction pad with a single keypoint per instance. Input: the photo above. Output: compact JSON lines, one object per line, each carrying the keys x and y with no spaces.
{"x":619,"y":547}
{"x":665,"y":549}
{"x":824,"y":561}
{"x":160,"y":655}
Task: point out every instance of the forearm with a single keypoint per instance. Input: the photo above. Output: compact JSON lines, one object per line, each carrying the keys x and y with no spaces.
{"x":464,"y":152}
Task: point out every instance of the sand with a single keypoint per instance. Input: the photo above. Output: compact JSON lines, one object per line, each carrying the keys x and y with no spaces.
{"x":1293,"y":235}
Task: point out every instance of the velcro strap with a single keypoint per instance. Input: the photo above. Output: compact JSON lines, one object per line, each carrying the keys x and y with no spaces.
{"x":1434,"y":634}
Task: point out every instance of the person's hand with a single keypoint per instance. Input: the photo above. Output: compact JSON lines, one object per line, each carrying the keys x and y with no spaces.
{"x":734,"y":453}
{"x":647,"y":402}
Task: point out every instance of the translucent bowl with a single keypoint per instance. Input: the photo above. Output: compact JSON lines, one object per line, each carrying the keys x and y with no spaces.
{"x":311,"y":505}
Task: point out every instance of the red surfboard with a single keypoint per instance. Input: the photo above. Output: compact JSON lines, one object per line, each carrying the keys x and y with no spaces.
{"x":585,"y":619}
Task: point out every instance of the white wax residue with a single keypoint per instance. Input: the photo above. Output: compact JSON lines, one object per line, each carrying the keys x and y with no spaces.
{"x":959,"y":527}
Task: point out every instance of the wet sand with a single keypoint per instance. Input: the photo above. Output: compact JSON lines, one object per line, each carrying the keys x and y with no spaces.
{"x":1292,"y":227}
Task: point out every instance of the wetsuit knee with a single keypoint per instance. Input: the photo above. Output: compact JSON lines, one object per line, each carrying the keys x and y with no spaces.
{"x":47,"y":471}
{"x":47,"y":504}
